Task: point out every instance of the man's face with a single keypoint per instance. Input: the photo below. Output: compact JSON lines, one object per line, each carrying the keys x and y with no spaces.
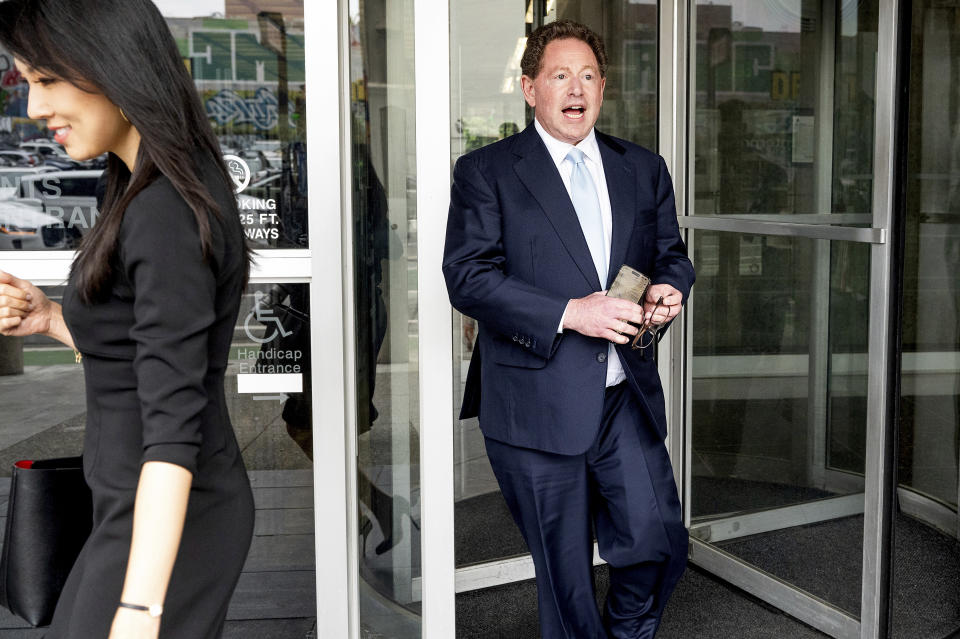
{"x":568,"y":90}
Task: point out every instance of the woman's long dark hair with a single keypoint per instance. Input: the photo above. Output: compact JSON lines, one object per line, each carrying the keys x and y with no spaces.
{"x":124,"y":50}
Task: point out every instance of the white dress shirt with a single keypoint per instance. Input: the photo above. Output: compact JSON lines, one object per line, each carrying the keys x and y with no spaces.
{"x":591,"y":152}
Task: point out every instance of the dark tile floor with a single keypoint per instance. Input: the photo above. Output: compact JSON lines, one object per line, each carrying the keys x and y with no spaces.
{"x":702,"y":607}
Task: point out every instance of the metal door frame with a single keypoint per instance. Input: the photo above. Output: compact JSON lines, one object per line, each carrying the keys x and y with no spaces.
{"x":878,"y":493}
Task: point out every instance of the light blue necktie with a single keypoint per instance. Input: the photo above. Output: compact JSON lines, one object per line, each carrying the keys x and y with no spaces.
{"x":583,"y":193}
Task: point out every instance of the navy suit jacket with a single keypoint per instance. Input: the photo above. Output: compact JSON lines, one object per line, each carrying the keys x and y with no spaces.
{"x":515,"y":255}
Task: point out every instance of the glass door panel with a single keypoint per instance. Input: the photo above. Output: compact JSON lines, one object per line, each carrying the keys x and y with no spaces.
{"x":486,"y":43}
{"x":931,"y":324}
{"x":927,"y":552}
{"x":782,"y":143}
{"x":778,"y":434}
{"x":384,"y":236}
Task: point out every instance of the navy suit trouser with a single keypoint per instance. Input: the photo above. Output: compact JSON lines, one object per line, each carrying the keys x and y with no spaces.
{"x":622,"y":488}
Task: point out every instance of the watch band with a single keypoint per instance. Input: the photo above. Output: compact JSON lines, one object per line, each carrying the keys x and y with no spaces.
{"x":154,"y":610}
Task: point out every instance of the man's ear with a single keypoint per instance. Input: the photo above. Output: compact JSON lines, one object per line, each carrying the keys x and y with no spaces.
{"x":526,"y":84}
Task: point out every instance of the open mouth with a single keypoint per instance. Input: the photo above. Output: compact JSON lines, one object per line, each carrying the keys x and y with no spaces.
{"x":60,"y":134}
{"x":574,"y":112}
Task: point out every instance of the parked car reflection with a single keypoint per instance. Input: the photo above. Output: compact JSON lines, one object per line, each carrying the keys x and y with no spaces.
{"x":11,"y":176}
{"x":23,"y":227}
{"x":45,"y":147}
{"x":70,"y":196}
{"x":20,"y":157}
{"x":53,"y":154}
{"x":270,"y":150}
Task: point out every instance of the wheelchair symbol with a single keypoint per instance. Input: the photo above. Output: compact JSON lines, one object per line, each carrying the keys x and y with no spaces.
{"x":264,"y":316}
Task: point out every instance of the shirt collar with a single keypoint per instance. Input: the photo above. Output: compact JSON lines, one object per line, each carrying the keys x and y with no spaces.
{"x":558,"y":150}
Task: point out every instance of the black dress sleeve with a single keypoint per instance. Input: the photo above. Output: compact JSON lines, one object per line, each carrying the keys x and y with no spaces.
{"x":174,"y":307}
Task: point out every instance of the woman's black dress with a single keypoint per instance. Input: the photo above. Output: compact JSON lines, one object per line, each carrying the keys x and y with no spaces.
{"x":154,"y":354}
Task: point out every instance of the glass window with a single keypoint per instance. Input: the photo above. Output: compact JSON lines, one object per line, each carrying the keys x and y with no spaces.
{"x":44,"y":404}
{"x":248,"y":66}
{"x":272,"y":350}
{"x":42,"y":392}
{"x":487,"y":42}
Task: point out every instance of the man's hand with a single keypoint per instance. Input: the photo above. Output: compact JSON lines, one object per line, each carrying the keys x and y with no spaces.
{"x":597,"y":315}
{"x":669,"y":307}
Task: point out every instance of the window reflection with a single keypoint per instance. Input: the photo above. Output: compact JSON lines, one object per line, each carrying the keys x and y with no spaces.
{"x":383,"y":174}
{"x":247,"y":61}
{"x":43,"y":399}
{"x":779,"y":131}
{"x":927,"y":551}
{"x":783,"y":132}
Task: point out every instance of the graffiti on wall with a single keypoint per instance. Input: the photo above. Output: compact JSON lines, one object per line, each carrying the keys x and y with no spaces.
{"x":239,"y":109}
{"x":229,"y":107}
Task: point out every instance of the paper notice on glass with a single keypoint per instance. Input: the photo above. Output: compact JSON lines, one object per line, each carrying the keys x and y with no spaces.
{"x":804,"y":139}
{"x":630,"y":284}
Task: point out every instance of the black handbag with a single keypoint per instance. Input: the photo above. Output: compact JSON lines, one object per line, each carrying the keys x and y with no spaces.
{"x":49,"y":517}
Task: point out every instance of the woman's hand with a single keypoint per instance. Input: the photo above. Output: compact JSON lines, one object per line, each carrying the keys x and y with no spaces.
{"x":134,"y":624}
{"x":24,"y":309}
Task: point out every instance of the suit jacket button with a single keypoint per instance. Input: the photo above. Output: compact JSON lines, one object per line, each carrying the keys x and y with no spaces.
{"x":515,"y":338}
{"x":601,"y":357}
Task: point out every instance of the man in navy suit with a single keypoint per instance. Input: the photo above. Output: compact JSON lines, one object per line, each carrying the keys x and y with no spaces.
{"x":572,"y":416}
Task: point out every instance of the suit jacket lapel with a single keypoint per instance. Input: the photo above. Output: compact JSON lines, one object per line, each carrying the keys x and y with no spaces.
{"x":622,"y":190}
{"x":539,"y":174}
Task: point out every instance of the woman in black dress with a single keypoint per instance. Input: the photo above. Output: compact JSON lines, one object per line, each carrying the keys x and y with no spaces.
{"x":151,"y":305}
